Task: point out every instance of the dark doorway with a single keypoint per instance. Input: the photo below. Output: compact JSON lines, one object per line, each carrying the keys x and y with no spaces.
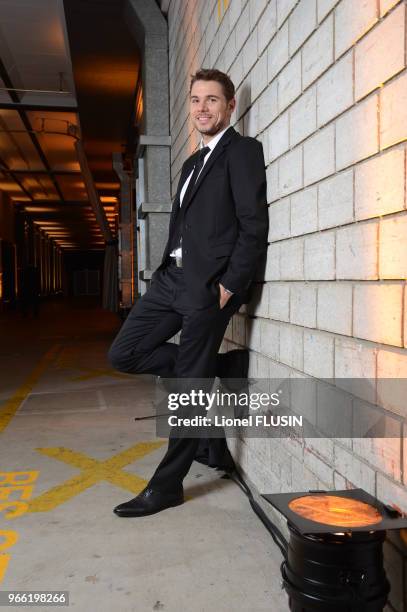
{"x":8,"y":268}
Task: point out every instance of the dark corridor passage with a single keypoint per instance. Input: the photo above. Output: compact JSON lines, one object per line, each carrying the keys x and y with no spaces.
{"x":70,"y":104}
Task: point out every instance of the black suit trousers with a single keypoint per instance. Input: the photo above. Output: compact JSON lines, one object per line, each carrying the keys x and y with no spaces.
{"x":142,"y":346}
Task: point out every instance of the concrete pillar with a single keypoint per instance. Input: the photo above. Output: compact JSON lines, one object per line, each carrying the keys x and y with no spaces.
{"x":127,"y":252}
{"x":149,"y":28}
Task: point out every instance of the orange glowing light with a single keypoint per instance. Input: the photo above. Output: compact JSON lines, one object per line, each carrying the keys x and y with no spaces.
{"x":41,"y":209}
{"x":47,"y":222}
{"x":335,"y":510}
{"x":112,"y":186}
{"x":10,"y":186}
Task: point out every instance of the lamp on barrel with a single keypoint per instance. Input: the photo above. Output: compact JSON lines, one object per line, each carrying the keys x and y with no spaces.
{"x":334,"y":560}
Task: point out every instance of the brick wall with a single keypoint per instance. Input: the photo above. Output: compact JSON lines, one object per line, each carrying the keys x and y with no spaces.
{"x":323,"y":85}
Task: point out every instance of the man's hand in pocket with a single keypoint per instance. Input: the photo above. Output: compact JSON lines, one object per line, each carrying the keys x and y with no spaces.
{"x":224,"y":296}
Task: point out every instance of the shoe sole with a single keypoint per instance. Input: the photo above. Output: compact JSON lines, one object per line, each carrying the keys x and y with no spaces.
{"x":131,"y":515}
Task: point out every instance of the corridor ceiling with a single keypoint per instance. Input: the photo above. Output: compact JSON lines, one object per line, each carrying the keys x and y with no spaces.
{"x":68,"y":69}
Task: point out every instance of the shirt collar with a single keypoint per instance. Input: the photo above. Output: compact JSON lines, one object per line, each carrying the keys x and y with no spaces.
{"x":213,"y":141}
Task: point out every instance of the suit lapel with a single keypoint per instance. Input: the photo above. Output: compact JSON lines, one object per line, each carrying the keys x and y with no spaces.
{"x":187,"y":169}
{"x":218,"y":150}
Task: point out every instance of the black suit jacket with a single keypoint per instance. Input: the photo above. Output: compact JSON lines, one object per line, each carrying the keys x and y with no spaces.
{"x":225,"y":221}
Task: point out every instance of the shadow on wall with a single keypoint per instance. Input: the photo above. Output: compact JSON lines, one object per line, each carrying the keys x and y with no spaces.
{"x":244,"y":110}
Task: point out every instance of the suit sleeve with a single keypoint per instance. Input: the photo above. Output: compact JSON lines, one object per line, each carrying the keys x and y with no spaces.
{"x":249,"y":190}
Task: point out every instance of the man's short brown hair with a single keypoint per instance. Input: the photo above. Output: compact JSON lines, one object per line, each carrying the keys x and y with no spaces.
{"x":211,"y":74}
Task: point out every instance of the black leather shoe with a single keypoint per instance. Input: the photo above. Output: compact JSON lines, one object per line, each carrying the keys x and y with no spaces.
{"x":148,"y":502}
{"x":232,"y":368}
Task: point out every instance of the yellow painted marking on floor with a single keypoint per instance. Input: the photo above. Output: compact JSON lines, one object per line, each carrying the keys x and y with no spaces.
{"x":20,"y":508}
{"x":12,"y":482}
{"x":10,"y":538}
{"x":25,"y":491}
{"x":93,"y":471}
{"x":4,"y":561}
{"x":95,"y":373}
{"x":14,"y":402}
{"x":18,"y":478}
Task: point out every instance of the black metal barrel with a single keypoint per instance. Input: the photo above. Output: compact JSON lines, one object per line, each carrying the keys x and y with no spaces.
{"x":335,"y":572}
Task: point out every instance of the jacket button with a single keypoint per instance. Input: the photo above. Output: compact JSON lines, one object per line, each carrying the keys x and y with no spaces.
{"x":185,"y":251}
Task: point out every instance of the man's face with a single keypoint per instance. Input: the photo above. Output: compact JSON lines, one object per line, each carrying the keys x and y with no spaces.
{"x":209,"y":109}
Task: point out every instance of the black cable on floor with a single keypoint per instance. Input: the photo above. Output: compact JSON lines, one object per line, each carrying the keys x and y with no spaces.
{"x":149,"y":416}
{"x":274,"y":531}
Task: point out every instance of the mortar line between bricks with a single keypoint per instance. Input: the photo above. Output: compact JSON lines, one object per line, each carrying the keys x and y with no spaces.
{"x":353,"y":309}
{"x":335,"y":130}
{"x":378,"y":250}
{"x":405,"y":49}
{"x":402,"y":454}
{"x":403,"y":316}
{"x":405,"y":172}
{"x":404,"y":581}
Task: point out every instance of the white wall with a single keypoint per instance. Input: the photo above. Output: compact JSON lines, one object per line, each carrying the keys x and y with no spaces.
{"x":323,"y":85}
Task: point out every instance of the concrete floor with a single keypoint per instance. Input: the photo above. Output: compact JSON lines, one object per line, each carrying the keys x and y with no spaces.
{"x":62,"y":412}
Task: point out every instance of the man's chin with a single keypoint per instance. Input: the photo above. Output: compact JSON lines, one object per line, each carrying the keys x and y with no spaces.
{"x":204,"y":129}
{"x":209,"y":130}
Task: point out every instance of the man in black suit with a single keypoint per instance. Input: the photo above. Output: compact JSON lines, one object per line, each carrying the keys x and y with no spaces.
{"x":217,"y":235}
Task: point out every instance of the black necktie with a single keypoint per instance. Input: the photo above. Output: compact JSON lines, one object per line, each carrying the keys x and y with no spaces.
{"x":176,"y":239}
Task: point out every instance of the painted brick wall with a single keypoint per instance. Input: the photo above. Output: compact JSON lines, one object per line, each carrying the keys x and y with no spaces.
{"x":323,"y":85}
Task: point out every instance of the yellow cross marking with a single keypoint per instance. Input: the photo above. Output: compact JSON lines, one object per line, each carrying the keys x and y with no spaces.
{"x":94,"y":373}
{"x":93,"y":471}
{"x":14,"y":402}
